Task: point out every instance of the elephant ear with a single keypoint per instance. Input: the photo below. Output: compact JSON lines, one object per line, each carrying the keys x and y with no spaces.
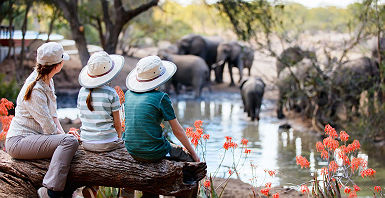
{"x":236,"y":51}
{"x":242,"y":83}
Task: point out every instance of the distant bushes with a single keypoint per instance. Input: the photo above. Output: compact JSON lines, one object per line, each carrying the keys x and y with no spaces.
{"x":9,"y":90}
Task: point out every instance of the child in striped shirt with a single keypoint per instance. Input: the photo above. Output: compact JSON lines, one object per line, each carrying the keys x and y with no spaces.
{"x":99,"y":104}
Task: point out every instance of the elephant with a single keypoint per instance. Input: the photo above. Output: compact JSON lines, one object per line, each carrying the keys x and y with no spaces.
{"x":292,"y":56}
{"x":351,"y":79}
{"x":201,"y":46}
{"x":248,"y":58}
{"x":233,"y":54}
{"x":294,"y":85}
{"x":191,"y":71}
{"x":379,"y":46}
{"x":252,"y":91}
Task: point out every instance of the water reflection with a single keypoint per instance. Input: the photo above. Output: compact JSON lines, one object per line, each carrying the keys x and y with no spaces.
{"x":270,"y":148}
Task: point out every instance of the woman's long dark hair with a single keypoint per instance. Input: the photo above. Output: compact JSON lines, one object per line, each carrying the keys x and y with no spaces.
{"x":42,"y":72}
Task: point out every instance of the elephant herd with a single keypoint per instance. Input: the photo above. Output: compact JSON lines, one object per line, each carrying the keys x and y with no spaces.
{"x":198,"y":55}
{"x":319,"y":91}
{"x":214,"y":53}
{"x":303,"y":83}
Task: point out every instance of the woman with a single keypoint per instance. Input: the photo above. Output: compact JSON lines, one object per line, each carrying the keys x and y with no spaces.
{"x":35,"y":132}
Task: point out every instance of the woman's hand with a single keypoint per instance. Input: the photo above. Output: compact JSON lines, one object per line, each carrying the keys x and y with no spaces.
{"x":60,"y":131}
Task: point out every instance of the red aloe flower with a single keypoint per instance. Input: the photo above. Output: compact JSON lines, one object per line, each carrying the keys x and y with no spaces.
{"x":244,"y":141}
{"x":189,"y":131}
{"x":330,"y":131}
{"x":324,"y":154}
{"x":319,"y":146}
{"x":331,"y":143}
{"x":324,"y":171}
{"x":347,"y":190}
{"x":356,"y":163}
{"x":276,"y":195}
{"x":344,"y":136}
{"x":271,"y":172}
{"x":302,"y":161}
{"x":352,"y":194}
{"x":247,"y":151}
{"x":368,"y":172}
{"x":198,"y":123}
{"x":206,"y":136}
{"x":207,"y":183}
{"x":333,"y":166}
{"x":304,"y":189}
{"x":120,"y":93}
{"x":356,"y":188}
{"x":377,"y":188}
{"x":265,"y":191}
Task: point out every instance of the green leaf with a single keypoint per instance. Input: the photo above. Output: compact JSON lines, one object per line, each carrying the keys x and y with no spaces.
{"x":213,"y":193}
{"x":202,"y":193}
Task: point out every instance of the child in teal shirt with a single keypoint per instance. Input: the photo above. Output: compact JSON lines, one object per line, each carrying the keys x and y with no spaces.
{"x":146,"y":108}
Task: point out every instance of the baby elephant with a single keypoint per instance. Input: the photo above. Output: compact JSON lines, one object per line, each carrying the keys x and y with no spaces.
{"x":252,"y":90}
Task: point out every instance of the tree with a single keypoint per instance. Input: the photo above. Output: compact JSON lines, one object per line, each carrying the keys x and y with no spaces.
{"x":114,"y":19}
{"x":70,"y":13}
{"x":21,"y":178}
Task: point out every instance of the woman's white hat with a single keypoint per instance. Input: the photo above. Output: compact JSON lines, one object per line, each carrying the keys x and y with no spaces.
{"x":150,"y":72}
{"x":51,"y":53}
{"x":101,"y":68}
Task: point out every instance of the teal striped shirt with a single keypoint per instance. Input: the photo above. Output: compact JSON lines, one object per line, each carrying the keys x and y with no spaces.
{"x":98,"y":125}
{"x":143,"y":134}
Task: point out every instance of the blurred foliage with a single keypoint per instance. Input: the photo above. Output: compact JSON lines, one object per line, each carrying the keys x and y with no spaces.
{"x":315,"y":19}
{"x":104,"y":192}
{"x":171,"y":20}
{"x":147,"y":26}
{"x":9,"y":90}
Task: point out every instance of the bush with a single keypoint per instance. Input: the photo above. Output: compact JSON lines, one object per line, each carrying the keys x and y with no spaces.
{"x":9,"y":90}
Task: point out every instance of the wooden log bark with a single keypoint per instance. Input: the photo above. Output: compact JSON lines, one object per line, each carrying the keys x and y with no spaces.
{"x":22,"y":178}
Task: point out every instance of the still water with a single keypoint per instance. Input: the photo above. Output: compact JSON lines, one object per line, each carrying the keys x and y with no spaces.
{"x":273,"y":149}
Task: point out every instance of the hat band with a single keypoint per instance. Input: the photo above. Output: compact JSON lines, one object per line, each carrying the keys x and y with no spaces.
{"x":100,"y":75}
{"x":148,"y":80}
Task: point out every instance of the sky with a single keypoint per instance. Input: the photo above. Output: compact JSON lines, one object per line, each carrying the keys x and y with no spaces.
{"x":307,"y":3}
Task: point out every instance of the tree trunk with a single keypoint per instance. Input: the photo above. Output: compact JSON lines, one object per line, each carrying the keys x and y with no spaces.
{"x":113,"y":28}
{"x":117,"y":168}
{"x":69,"y":10}
{"x":112,"y":39}
{"x":52,"y":22}
{"x":20,"y":74}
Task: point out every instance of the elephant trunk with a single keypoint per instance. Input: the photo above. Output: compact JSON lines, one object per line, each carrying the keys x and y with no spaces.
{"x":219,"y":63}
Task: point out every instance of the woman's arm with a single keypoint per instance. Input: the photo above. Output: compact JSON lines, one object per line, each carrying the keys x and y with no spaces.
{"x":58,"y":126}
{"x":117,"y":124}
{"x":179,"y":133}
{"x":37,"y":106}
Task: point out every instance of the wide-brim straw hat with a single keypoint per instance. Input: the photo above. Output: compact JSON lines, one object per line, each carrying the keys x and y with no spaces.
{"x":150,"y":72}
{"x":101,"y":68}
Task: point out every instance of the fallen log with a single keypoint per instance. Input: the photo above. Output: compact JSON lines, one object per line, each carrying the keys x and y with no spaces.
{"x":22,"y":178}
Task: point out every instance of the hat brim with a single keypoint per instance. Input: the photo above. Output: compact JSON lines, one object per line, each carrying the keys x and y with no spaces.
{"x":134,"y":85}
{"x":66,"y":56}
{"x":91,"y":82}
